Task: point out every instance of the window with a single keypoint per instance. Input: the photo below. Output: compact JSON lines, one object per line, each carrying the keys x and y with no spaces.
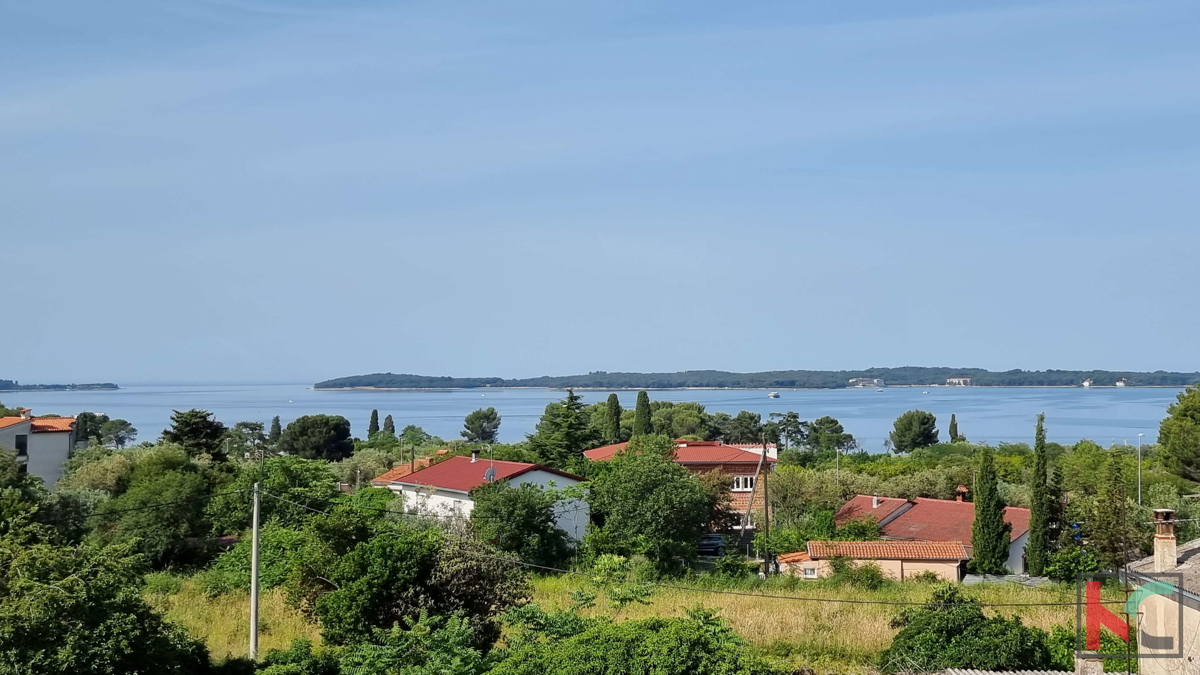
{"x":743,"y":483}
{"x":810,"y":573}
{"x":22,"y":445}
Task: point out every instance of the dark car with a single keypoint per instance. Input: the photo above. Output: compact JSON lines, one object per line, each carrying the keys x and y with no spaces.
{"x":711,"y":544}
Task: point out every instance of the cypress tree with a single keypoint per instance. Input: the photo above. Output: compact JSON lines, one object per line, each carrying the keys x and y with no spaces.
{"x":1106,"y":531}
{"x":642,"y":425}
{"x":953,"y":429}
{"x":389,"y":426}
{"x":612,"y":425}
{"x":373,"y":426}
{"x":1037,"y":551}
{"x":276,"y":430}
{"x":989,"y":533}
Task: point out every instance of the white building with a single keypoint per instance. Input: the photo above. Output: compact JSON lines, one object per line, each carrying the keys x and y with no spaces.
{"x":444,"y":488}
{"x":42,"y":444}
{"x":958,"y":381}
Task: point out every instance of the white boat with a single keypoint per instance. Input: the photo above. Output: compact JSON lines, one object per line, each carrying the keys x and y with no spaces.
{"x":773,"y":394}
{"x":879,"y":389}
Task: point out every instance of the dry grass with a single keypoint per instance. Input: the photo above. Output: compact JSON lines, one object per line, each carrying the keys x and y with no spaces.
{"x":824,"y":636}
{"x":224,"y":622}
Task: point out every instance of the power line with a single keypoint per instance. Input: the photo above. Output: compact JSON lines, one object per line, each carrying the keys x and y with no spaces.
{"x":147,"y":507}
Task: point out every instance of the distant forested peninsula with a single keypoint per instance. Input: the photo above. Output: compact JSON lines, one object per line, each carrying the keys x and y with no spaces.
{"x":911,"y":376}
{"x":13,"y":385}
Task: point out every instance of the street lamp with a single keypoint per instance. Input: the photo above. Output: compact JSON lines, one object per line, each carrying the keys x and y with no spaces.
{"x":1140,"y":469}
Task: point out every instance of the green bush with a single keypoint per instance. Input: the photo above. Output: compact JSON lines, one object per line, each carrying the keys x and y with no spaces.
{"x":733,"y":565}
{"x":1066,"y":565}
{"x":162,"y":583}
{"x":926,"y":577}
{"x":867,"y":575}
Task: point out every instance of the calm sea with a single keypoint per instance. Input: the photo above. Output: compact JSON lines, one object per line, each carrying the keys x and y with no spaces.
{"x":984,"y":414}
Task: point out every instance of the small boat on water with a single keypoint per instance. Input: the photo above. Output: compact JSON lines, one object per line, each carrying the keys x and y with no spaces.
{"x":879,"y":389}
{"x":773,"y":394}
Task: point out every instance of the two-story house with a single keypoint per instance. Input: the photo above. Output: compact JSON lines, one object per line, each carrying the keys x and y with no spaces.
{"x":42,"y":444}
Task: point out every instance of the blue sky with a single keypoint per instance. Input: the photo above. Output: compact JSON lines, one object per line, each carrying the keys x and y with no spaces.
{"x":295,"y":189}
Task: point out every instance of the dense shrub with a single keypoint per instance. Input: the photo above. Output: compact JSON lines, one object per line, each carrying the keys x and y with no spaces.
{"x":1066,"y":565}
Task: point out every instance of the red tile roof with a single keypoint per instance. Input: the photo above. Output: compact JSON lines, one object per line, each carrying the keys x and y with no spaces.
{"x":688,"y":452}
{"x":400,"y":471}
{"x":44,"y":424}
{"x":928,"y":519}
{"x":793,"y":558}
{"x":9,"y":421}
{"x":888,"y":550}
{"x":461,"y":474}
{"x":862,"y":505}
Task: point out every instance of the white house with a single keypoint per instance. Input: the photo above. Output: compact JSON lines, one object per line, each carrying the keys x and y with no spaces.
{"x":42,"y":444}
{"x":443,"y":489}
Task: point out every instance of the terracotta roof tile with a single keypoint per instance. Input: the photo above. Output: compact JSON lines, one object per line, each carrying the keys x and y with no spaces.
{"x":793,"y":558}
{"x":863,"y":506}
{"x":9,"y":421}
{"x":400,"y":471}
{"x":461,"y":474}
{"x":604,"y":452}
{"x":44,"y":424}
{"x":888,"y":550}
{"x":688,"y":452}
{"x":947,"y":520}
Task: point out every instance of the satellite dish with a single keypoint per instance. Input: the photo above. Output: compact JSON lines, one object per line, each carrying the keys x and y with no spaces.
{"x":490,"y":474}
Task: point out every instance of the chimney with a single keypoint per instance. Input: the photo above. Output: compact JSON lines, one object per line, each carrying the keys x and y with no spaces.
{"x":26,"y":413}
{"x":875,"y":501}
{"x":1164,"y":540}
{"x":474,"y":455}
{"x":960,"y":493}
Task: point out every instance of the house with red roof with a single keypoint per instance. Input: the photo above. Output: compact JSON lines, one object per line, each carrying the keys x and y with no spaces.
{"x":897,"y":560}
{"x":42,"y":444}
{"x":443,"y":489}
{"x":935,"y":520}
{"x":742,"y":462}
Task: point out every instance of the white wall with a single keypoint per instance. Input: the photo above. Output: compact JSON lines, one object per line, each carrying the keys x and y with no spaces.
{"x":8,"y":436}
{"x":1016,"y":554}
{"x":48,"y":451}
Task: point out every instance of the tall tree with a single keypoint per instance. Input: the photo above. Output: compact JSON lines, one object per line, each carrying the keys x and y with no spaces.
{"x":1108,"y":532}
{"x":1179,"y":435}
{"x":612,"y":420}
{"x":318,"y":437}
{"x":953,"y":428}
{"x":990,"y":533}
{"x":88,"y":426}
{"x":1037,"y":551}
{"x":197,"y":431}
{"x":389,"y":425}
{"x":745,"y":427}
{"x":826,"y":433}
{"x":792,"y":430}
{"x":118,"y":433}
{"x":914,"y":429}
{"x":642,"y":422}
{"x":563,"y":432}
{"x":276,"y":431}
{"x":481,"y":426}
{"x":373,"y":425}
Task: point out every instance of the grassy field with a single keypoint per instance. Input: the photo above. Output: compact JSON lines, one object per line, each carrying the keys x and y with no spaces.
{"x":224,"y":622}
{"x":825,"y":636}
{"x":828,"y":637}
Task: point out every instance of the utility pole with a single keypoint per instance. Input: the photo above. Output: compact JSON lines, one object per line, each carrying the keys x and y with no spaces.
{"x":766,"y":510}
{"x":1139,"y":469}
{"x":254,"y":577}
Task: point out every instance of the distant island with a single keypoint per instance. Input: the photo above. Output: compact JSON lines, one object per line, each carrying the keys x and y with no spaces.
{"x":908,"y":376}
{"x":13,"y":385}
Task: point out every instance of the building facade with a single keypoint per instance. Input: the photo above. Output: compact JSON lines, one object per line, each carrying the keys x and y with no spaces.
{"x":42,"y":444}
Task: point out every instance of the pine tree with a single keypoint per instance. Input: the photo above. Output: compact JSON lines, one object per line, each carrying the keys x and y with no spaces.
{"x":990,"y":533}
{"x":641,"y":415}
{"x":276,"y":431}
{"x":953,"y":428}
{"x":563,"y":432}
{"x":373,"y":426}
{"x":612,"y":426}
{"x":1037,"y":551}
{"x":389,"y":426}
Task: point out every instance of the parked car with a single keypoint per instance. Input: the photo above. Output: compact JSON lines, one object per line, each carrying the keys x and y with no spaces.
{"x":711,"y":544}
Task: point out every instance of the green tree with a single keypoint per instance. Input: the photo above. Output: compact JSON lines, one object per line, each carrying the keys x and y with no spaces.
{"x":521,"y":520}
{"x":913,"y":429}
{"x":117,"y":433}
{"x":612,"y":420}
{"x":1108,"y":531}
{"x":89,"y":425}
{"x":78,"y":609}
{"x":563,"y":432}
{"x":1037,"y":551}
{"x":481,"y":426}
{"x":650,"y":504}
{"x":792,"y":430}
{"x":306,"y":484}
{"x":826,"y":433}
{"x":389,"y":425}
{"x":317,"y":437}
{"x":197,"y":431}
{"x":745,"y":427}
{"x":158,"y":533}
{"x":951,"y":631}
{"x":953,"y":428}
{"x":990,"y":534}
{"x":1179,"y":435}
{"x":414,"y":436}
{"x":373,"y":425}
{"x":642,"y":424}
{"x":276,"y":431}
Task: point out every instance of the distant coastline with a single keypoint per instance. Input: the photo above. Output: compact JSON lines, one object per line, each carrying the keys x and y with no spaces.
{"x":909,"y":376}
{"x":13,"y":385}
